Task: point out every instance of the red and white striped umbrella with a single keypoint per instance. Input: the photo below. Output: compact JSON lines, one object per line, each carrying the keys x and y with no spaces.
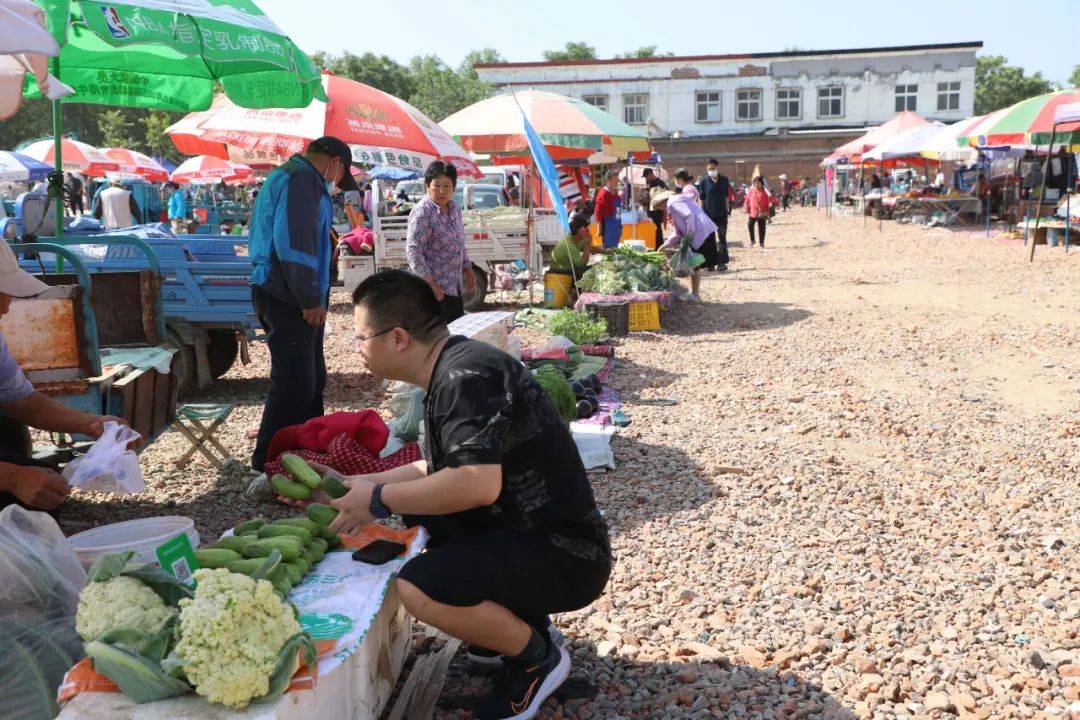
{"x":208,"y":169}
{"x":380,"y":128}
{"x":132,"y":162}
{"x":77,"y":157}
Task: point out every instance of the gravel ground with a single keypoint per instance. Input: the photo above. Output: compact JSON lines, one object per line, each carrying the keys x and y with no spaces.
{"x":865,"y":503}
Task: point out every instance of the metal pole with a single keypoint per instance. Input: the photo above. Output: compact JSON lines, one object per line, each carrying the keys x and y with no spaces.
{"x":1042,"y":191}
{"x":55,"y":189}
{"x":1068,"y":198}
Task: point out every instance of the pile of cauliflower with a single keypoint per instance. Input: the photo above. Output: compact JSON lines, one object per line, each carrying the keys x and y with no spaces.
{"x":231,"y":636}
{"x":120,"y":602}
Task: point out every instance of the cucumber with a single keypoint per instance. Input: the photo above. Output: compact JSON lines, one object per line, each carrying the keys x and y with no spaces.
{"x":289,"y":547}
{"x":302,"y":564}
{"x":235,"y":543}
{"x":327,"y":534}
{"x":300,"y":522}
{"x":285,"y":487}
{"x":215,"y":557}
{"x":280,"y":580}
{"x":300,"y":471}
{"x":319,"y":547}
{"x":245,"y":567}
{"x":334,"y":487}
{"x":309,"y":556}
{"x":333,"y":540}
{"x":269,"y":531}
{"x":321,"y":515}
{"x":293,"y":571}
{"x":248,"y":526}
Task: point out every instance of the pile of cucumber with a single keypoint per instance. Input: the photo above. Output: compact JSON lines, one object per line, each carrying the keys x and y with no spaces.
{"x":300,"y":543}
{"x":302,"y":480}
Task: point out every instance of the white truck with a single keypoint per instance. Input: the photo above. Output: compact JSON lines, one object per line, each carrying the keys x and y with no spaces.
{"x":495,"y":234}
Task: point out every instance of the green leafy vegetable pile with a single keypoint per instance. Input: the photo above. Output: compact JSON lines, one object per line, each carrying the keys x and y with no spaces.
{"x":578,"y":327}
{"x":558,"y":389}
{"x":627,"y":270}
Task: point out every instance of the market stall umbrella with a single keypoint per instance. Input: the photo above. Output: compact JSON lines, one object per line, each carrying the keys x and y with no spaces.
{"x":25,"y":46}
{"x":570,"y":128}
{"x":209,"y":169}
{"x":380,"y":128}
{"x":170,"y":55}
{"x":1029,"y":121}
{"x":853,"y":149}
{"x":77,"y":156}
{"x":16,"y":167}
{"x":637,"y":174}
{"x":131,"y":162}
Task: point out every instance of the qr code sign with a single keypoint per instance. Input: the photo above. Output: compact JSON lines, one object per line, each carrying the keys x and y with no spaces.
{"x":182,"y":571}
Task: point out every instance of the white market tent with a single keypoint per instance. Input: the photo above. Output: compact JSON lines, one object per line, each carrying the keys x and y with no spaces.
{"x":908,"y":145}
{"x":943,"y":145}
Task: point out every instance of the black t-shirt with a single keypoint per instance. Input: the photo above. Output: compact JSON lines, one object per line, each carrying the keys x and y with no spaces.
{"x":483,"y":407}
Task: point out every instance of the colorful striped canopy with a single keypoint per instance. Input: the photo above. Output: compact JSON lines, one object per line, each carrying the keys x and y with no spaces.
{"x":16,"y":167}
{"x":206,"y":169}
{"x":1028,"y":122}
{"x":571,"y":129}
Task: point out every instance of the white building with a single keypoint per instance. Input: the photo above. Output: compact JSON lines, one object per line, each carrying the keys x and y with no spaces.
{"x":694,"y":106}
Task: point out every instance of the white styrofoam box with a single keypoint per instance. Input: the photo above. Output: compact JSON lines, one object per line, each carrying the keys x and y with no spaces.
{"x":492,"y":326}
{"x":355,"y":268}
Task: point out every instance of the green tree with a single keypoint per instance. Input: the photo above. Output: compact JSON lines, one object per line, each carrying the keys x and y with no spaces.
{"x":572,"y":51}
{"x":440,"y":91}
{"x":117,"y":130}
{"x":645,"y":52}
{"x":998,"y":84}
{"x":1074,"y":79}
{"x":378,"y":71}
{"x":477,"y":57}
{"x":157,"y":143}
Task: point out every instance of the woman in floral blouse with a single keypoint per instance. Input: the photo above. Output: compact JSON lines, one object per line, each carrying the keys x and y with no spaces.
{"x":435,"y":245}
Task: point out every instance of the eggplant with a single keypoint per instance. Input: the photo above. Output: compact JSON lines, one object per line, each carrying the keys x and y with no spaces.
{"x":578,"y":387}
{"x":594,"y":380}
{"x":584,"y":409}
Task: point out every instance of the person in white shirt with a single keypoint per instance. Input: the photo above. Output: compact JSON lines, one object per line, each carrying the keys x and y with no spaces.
{"x":116,"y":207}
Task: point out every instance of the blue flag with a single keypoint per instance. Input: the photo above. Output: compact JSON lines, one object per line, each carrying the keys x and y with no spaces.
{"x":547,"y":170}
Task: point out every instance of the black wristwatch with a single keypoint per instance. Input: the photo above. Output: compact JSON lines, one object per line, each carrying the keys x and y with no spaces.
{"x":377,"y":508}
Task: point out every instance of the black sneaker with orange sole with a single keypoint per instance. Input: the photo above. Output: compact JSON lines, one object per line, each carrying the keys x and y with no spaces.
{"x":520,"y":691}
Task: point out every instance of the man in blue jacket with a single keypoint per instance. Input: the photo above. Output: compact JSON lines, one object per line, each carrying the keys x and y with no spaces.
{"x":290,"y":247}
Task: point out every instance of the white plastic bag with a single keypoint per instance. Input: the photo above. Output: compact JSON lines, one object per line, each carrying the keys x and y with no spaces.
{"x":40,"y":581}
{"x":109,"y":466}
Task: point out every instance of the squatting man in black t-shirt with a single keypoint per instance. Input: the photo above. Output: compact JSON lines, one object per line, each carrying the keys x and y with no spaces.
{"x":515,"y":533}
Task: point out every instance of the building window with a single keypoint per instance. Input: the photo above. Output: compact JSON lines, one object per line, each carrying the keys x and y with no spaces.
{"x":948,"y":96}
{"x":830,"y":102}
{"x":788,"y":103}
{"x":905,"y":97}
{"x":597,"y":101}
{"x":708,"y":106}
{"x":747,"y":105}
{"x":635,"y":109}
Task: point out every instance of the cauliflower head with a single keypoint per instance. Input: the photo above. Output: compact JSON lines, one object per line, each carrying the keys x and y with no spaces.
{"x":119,"y":602}
{"x":231,"y":634}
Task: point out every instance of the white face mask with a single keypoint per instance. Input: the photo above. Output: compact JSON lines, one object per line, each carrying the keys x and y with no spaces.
{"x":714,"y":173}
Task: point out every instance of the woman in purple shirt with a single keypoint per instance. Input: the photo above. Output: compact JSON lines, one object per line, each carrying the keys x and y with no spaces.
{"x":435,"y":245}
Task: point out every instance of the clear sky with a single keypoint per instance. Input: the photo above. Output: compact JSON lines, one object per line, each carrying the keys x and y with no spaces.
{"x":1035,"y":34}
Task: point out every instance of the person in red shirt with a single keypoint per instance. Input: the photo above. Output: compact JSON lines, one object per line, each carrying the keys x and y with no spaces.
{"x":757,"y":204}
{"x":607,"y":207}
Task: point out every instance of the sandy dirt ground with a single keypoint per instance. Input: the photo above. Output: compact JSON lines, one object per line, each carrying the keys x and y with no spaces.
{"x":865,"y":503}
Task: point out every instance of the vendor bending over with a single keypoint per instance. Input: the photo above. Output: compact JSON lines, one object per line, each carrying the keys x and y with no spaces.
{"x":515,"y":533}
{"x":23,"y":480}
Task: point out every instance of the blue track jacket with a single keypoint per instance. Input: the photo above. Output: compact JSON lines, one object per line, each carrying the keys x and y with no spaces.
{"x":290,"y":235}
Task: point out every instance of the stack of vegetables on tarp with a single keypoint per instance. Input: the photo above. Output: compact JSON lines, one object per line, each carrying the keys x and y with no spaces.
{"x":627,"y":270}
{"x":234,"y":637}
{"x":574,"y":395}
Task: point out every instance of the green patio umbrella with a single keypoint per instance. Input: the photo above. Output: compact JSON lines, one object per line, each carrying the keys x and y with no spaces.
{"x":170,"y":55}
